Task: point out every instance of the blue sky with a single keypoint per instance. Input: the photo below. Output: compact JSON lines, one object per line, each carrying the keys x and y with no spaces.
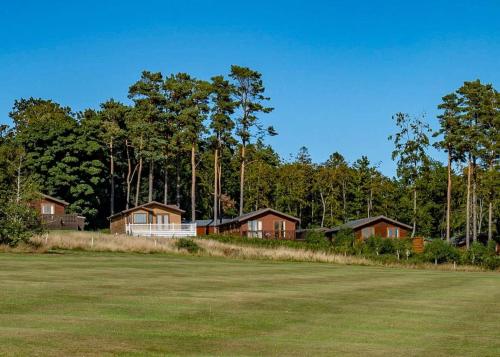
{"x":336,"y":70}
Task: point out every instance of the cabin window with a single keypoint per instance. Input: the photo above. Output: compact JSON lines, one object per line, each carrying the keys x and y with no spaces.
{"x":392,"y":232}
{"x":255,"y":229}
{"x":47,"y":208}
{"x":140,"y":218}
{"x":162,"y":219}
{"x":367,"y":232}
{"x":279,"y":229}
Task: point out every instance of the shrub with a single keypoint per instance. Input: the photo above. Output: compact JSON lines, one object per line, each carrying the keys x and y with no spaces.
{"x":317,"y":239}
{"x":479,"y":254}
{"x":18,"y":223}
{"x":439,"y":251}
{"x":379,"y":245}
{"x":188,"y":244}
{"x":344,"y":241}
{"x":402,"y":246}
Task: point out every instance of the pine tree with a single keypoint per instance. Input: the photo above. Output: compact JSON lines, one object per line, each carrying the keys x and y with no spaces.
{"x":249,"y":95}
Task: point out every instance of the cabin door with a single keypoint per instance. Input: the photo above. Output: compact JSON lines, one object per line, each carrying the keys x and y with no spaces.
{"x":162,"y":219}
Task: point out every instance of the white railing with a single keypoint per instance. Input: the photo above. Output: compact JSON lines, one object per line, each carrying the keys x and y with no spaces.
{"x":170,"y":230}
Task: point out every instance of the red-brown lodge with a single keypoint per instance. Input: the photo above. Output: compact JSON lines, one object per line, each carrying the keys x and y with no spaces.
{"x":263,"y":223}
{"x":53,"y":214}
{"x":380,"y":226}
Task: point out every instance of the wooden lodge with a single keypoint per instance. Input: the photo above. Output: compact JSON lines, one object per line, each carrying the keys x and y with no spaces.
{"x":53,"y":214}
{"x":264,"y":223}
{"x":380,"y":226}
{"x":152,"y":219}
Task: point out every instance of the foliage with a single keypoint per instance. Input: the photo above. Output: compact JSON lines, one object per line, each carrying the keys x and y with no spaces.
{"x":439,"y":251}
{"x":201,"y":145}
{"x":188,"y":244}
{"x":344,"y":241}
{"x":314,"y":237}
{"x":18,"y":223}
{"x":402,"y":247}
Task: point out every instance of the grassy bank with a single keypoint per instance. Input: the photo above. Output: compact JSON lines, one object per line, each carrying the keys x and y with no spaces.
{"x":217,"y":246}
{"x":84,"y":303}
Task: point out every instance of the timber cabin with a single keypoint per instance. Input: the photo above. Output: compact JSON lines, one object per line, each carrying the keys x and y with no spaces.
{"x":53,"y":214}
{"x":263,"y":223}
{"x":380,"y":226}
{"x":152,"y":219}
{"x":208,"y":226}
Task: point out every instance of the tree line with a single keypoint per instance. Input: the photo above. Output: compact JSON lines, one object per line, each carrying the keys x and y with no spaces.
{"x":200,"y":144}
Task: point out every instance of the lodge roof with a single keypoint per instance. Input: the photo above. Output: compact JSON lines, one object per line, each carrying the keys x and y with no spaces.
{"x":57,"y":200}
{"x":247,"y":216}
{"x":358,"y":223}
{"x":146,"y":208}
{"x":210,"y":222}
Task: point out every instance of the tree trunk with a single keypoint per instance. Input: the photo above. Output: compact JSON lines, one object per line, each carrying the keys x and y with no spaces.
{"x":138,"y":186}
{"x":448,"y":199}
{"x":18,"y":191}
{"x":414,"y":212}
{"x":474,"y":202}
{"x":344,"y":200}
{"x":165,"y":186}
{"x":193,"y":183}
{"x":490,"y":221}
{"x":216,"y":182}
{"x":490,"y":211}
{"x":129,"y":174}
{"x":242,"y":178}
{"x":112,"y":173}
{"x":219,"y":187}
{"x":480,"y":216}
{"x":178,"y":186}
{"x":467,"y":209}
{"x":324,"y":209}
{"x":150,"y":181}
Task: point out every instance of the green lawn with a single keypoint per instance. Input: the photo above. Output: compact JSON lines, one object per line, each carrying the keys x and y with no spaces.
{"x":131,"y":304}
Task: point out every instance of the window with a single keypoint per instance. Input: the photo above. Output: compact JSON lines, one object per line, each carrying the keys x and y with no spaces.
{"x":279,"y":229}
{"x":367,"y":232}
{"x":392,"y":232}
{"x":255,"y":229}
{"x":47,"y":208}
{"x":162,"y":219}
{"x":140,"y":218}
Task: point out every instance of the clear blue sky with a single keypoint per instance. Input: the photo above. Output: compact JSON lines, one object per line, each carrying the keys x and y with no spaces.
{"x":336,"y":70}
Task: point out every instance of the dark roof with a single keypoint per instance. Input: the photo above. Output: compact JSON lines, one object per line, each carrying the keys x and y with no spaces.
{"x":250,"y":215}
{"x":47,"y":197}
{"x":210,"y":222}
{"x":366,"y":221}
{"x":145,"y":207}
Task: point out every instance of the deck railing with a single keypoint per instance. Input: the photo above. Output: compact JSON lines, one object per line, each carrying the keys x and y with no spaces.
{"x":269,"y":234}
{"x":170,"y":230}
{"x":63,"y":221}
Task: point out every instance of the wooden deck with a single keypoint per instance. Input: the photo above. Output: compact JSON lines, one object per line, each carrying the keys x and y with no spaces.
{"x":63,"y":221}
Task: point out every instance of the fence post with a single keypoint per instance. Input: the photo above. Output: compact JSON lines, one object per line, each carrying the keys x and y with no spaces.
{"x":150,"y":230}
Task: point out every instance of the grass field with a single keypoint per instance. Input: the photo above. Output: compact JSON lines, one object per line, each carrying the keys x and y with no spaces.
{"x":80,"y":303}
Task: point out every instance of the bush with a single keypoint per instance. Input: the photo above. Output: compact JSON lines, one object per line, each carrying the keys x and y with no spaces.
{"x":344,"y":241}
{"x":479,"y":254}
{"x":439,"y":251}
{"x":402,"y":246}
{"x":316,"y":239}
{"x":188,"y":244}
{"x":18,"y":223}
{"x":379,"y":245}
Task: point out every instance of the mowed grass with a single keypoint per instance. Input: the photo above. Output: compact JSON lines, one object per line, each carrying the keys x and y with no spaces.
{"x":81,"y":303}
